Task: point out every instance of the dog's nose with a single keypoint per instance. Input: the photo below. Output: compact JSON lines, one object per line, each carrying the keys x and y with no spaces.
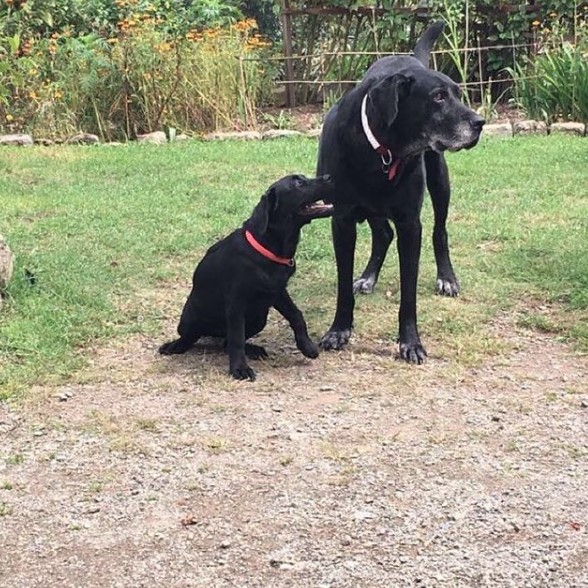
{"x":478,"y":123}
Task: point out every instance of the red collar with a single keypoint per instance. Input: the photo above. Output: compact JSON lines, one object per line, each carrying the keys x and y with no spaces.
{"x":389,"y":164}
{"x":266,"y":252}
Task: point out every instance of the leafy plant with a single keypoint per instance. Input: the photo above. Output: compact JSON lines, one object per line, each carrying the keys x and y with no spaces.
{"x":554,"y":84}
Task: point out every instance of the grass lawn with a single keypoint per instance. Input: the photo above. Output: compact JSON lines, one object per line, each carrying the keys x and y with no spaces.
{"x":112,"y":236}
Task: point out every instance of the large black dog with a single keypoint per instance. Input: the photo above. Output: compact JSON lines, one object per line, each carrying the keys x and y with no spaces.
{"x":242,"y":276}
{"x":380,"y":143}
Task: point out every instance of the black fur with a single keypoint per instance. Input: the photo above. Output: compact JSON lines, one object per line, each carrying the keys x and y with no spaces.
{"x":416,"y":113}
{"x":234,"y":286}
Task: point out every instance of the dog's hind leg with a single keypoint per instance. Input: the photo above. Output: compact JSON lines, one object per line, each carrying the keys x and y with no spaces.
{"x":181,"y":345}
{"x":189,"y":334}
{"x":440,"y":191}
{"x":382,"y":236}
{"x":255,"y":351}
{"x":238,"y":367}
{"x":288,"y":309}
{"x":177,"y":346}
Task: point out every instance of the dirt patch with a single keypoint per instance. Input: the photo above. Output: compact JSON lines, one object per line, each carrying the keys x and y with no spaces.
{"x":354,"y":470}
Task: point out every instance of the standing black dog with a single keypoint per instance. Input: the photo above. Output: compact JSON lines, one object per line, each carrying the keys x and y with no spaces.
{"x":242,"y":276}
{"x":379,"y":143}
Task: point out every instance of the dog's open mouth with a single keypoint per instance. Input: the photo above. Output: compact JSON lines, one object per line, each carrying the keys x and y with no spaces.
{"x":315,"y":210}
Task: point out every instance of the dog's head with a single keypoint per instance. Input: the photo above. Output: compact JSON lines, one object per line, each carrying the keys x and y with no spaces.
{"x":420,"y":109}
{"x":291,"y":202}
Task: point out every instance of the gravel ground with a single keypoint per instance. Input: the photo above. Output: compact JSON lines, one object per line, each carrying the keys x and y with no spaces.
{"x":351,"y":471}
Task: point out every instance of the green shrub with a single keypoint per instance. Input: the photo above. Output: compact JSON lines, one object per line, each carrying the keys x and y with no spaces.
{"x":140,"y":80}
{"x":553,"y":85}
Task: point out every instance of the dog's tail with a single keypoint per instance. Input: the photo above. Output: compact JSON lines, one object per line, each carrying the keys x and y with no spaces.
{"x":422,"y":50}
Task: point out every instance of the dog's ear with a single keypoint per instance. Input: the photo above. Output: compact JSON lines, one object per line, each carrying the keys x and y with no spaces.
{"x":259,"y":220}
{"x":387,"y":93}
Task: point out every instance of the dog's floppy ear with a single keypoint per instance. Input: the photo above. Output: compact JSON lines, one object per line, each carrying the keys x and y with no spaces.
{"x":386,"y":94}
{"x":259,"y":220}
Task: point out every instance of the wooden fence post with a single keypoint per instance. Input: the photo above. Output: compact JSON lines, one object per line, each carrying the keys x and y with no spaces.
{"x":288,"y":64}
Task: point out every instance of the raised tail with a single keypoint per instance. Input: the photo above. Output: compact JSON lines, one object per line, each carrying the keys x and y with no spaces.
{"x":422,"y":49}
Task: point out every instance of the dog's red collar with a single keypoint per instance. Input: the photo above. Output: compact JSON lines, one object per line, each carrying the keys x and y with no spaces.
{"x":289,"y":261}
{"x":389,"y":164}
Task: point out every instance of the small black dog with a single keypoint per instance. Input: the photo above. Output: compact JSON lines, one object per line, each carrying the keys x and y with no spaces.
{"x":242,"y":276}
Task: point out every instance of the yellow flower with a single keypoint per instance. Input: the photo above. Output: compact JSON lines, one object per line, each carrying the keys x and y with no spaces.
{"x":536,"y":23}
{"x":9,"y":117}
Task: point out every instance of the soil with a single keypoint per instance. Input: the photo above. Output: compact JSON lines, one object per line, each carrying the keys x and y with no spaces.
{"x":354,"y":470}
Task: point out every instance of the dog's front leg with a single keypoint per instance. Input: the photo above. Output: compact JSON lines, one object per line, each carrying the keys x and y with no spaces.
{"x":288,"y":309}
{"x":238,"y":367}
{"x":440,"y":190}
{"x":344,"y":236}
{"x":409,"y":250}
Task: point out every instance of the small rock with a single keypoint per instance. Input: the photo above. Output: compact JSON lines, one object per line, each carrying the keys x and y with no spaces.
{"x":225,"y":544}
{"x":495,"y":419}
{"x":93,"y":509}
{"x":570,"y":128}
{"x":326,"y":388}
{"x":345,"y":541}
{"x":83,"y":139}
{"x":530,"y":127}
{"x":157,"y":137}
{"x":278,"y":133}
{"x":314,"y":133}
{"x":364,"y":515}
{"x":243,"y":135}
{"x":19,"y":140}
{"x":498,"y":130}
{"x":584,"y":403}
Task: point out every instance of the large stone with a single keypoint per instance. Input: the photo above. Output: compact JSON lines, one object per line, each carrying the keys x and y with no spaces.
{"x":19,"y":140}
{"x":498,"y":130}
{"x":6,"y":260}
{"x":157,"y":137}
{"x":530,"y":127}
{"x":242,"y":135}
{"x":570,"y":128}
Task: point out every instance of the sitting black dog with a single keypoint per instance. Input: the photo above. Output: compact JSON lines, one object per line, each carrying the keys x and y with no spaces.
{"x":242,"y":276}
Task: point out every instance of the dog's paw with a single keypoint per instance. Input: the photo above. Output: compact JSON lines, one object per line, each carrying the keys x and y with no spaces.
{"x":255,"y":351}
{"x":335,"y":339}
{"x":412,"y":353}
{"x":175,"y":347}
{"x":448,"y":287}
{"x":242,"y":372}
{"x":308,"y":348}
{"x":364,"y":285}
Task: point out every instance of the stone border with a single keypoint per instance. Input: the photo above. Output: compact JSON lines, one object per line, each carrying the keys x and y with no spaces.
{"x":504,"y":130}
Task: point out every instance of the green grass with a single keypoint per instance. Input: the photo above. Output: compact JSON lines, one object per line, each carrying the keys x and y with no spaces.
{"x":107,"y":231}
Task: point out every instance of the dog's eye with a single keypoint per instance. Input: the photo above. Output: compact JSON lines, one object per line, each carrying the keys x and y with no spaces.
{"x":298,"y":183}
{"x":440,"y":96}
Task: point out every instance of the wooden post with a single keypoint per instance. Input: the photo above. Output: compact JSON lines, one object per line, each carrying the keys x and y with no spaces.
{"x":287,"y":42}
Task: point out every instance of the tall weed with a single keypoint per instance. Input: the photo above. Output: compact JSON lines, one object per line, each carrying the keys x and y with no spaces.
{"x":140,"y":80}
{"x":553,"y":85}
